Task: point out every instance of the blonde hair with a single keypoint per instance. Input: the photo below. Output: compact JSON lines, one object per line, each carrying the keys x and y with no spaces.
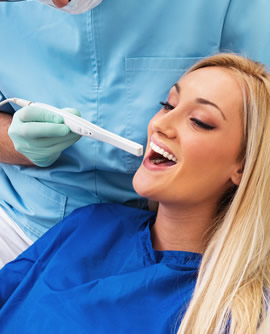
{"x":232,"y":290}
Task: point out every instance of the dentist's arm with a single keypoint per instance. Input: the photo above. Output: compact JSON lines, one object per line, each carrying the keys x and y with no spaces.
{"x":8,"y":154}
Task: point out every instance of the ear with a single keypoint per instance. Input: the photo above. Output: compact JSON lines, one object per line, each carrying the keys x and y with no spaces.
{"x":237,"y":174}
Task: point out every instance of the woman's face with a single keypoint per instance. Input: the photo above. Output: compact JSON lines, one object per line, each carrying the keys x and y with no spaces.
{"x":200,"y":131}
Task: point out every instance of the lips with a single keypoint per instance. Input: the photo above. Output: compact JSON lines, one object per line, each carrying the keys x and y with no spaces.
{"x":159,"y":157}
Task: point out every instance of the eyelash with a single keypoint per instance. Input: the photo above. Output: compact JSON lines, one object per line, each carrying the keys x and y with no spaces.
{"x":202,"y":124}
{"x":167,"y":106}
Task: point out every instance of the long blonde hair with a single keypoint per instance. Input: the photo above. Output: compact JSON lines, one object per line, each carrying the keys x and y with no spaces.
{"x":233,"y":284}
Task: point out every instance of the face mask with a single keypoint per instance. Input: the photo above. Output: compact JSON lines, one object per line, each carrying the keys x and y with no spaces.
{"x":75,"y":6}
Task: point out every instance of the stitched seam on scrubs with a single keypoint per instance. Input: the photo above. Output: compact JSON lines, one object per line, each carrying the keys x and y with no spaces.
{"x":33,"y":230}
{"x":96,"y":29}
{"x":60,"y":201}
{"x":96,"y":153}
{"x":93,"y":59}
{"x":36,"y":231}
{"x":225,"y":18}
{"x":97,"y":26}
{"x":92,"y":48}
{"x":128,"y":158}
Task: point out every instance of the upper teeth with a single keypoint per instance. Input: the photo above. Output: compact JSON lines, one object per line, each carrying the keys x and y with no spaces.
{"x":161,"y":151}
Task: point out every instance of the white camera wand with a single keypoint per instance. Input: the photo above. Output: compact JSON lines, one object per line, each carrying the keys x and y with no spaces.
{"x":84,"y":128}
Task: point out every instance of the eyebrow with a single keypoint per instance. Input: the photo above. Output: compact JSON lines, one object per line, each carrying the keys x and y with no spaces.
{"x":207,"y":102}
{"x":177,"y":87}
{"x":202,"y":101}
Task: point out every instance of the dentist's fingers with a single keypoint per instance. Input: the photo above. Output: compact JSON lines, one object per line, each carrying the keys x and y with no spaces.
{"x":41,"y":135}
{"x":37,"y":114}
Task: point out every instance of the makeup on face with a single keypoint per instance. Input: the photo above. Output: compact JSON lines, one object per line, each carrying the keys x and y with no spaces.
{"x":194,"y":140}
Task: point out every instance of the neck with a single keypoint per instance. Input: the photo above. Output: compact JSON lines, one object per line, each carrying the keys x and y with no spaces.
{"x":182,"y":228}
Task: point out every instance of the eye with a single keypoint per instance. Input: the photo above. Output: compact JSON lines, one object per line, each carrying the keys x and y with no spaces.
{"x":167,"y":106}
{"x":201,"y":124}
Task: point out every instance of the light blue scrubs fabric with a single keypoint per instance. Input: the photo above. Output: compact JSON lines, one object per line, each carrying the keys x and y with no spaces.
{"x":96,"y":272}
{"x":114,"y":63}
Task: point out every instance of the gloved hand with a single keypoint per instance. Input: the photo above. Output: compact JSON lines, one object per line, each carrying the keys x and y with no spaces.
{"x":40,"y":134}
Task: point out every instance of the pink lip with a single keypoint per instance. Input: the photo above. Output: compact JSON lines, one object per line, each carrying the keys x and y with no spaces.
{"x":149,"y":165}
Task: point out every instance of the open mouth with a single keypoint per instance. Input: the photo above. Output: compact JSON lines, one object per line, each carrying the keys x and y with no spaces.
{"x":158,"y":156}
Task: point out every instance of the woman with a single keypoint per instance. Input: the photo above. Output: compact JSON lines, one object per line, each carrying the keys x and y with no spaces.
{"x":201,"y":264}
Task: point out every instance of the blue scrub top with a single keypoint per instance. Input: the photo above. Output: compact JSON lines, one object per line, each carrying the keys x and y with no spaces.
{"x":96,"y":272}
{"x":114,"y":63}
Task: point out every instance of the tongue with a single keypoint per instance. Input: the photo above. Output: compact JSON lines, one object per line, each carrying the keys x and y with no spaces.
{"x":164,"y":162}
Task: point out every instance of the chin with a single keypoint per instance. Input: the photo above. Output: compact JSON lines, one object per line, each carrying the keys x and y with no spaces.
{"x":144,"y":191}
{"x":137,"y":183}
{"x":142,"y":185}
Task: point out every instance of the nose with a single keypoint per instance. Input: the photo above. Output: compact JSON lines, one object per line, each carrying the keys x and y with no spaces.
{"x":165,"y":124}
{"x":60,"y":3}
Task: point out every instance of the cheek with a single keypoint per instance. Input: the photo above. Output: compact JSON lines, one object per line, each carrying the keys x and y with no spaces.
{"x":210,"y":153}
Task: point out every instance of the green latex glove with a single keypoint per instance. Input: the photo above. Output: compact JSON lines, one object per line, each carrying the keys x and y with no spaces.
{"x":40,"y":134}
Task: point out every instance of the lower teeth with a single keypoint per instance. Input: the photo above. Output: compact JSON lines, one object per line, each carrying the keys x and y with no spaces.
{"x":158,"y":161}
